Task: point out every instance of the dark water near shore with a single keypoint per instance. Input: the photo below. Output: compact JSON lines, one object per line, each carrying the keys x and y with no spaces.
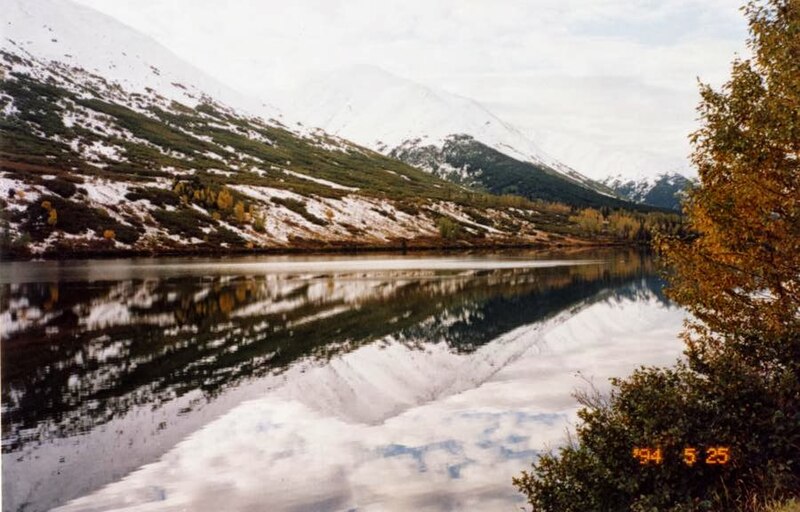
{"x":288,"y":383}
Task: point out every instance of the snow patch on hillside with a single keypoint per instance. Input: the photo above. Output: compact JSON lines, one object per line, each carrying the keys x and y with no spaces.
{"x":319,"y":181}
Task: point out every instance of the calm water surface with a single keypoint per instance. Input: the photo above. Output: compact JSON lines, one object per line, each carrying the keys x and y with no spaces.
{"x":285,"y":383}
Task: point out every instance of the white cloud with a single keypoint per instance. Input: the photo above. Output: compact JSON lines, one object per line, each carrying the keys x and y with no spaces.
{"x":604,"y":85}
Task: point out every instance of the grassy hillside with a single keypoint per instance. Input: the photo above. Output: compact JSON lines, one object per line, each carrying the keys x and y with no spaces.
{"x":88,"y":166}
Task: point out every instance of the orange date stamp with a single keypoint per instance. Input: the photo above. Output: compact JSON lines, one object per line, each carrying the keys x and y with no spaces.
{"x":712,"y":455}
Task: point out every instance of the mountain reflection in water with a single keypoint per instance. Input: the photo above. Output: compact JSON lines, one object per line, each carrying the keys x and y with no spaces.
{"x":126,"y":362}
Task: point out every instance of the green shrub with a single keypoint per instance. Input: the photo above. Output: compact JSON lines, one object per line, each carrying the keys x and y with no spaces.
{"x":74,"y":218}
{"x":157,"y":196}
{"x":61,"y":187}
{"x":673,"y":409}
{"x":259,"y":223}
{"x":149,"y":129}
{"x":408,"y":207}
{"x":188,"y":222}
{"x":299,"y":207}
{"x":37,"y":102}
{"x":478,"y":217}
{"x":448,"y":228}
{"x":225,"y":236}
{"x":185,"y":221}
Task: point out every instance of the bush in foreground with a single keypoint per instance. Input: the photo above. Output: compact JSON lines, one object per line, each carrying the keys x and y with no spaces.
{"x":675,"y":410}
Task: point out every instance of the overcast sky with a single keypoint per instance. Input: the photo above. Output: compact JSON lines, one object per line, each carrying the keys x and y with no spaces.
{"x":607,"y":86}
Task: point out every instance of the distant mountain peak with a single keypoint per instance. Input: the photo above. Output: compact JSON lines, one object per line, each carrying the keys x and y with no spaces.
{"x":664,"y":190}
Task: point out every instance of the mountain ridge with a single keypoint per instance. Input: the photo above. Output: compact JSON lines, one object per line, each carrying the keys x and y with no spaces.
{"x":665,"y":190}
{"x":356,"y":103}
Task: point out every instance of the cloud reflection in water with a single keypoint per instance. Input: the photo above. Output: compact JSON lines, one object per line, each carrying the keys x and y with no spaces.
{"x":397,"y":389}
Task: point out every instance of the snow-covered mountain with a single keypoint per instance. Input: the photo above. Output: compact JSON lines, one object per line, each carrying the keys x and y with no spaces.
{"x":381,"y":110}
{"x":78,"y":36}
{"x":110,"y":143}
{"x":385,"y":112}
{"x":663,"y":191}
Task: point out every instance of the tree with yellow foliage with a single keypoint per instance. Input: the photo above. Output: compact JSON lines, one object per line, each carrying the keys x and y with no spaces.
{"x":738,"y":275}
{"x":52,"y":214}
{"x":224,"y":199}
{"x":623,"y":226}
{"x":238,"y":212}
{"x":589,"y":220}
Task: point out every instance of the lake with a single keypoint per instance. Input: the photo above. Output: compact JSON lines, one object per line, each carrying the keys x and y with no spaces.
{"x":379,"y":382}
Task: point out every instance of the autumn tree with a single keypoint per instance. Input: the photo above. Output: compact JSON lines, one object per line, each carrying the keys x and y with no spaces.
{"x":590,"y":220}
{"x":239,"y":212}
{"x":738,"y":275}
{"x":52,"y":214}
{"x":224,"y":199}
{"x":622,"y":225}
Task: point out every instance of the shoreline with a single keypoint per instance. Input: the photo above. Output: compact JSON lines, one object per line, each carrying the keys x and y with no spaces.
{"x":311,"y":249}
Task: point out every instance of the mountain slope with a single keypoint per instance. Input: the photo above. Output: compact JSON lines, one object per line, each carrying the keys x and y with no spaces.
{"x":354,"y":103}
{"x":78,"y":36}
{"x":463,"y":159}
{"x":404,"y":118}
{"x":663,"y":191}
{"x":109,"y":162}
